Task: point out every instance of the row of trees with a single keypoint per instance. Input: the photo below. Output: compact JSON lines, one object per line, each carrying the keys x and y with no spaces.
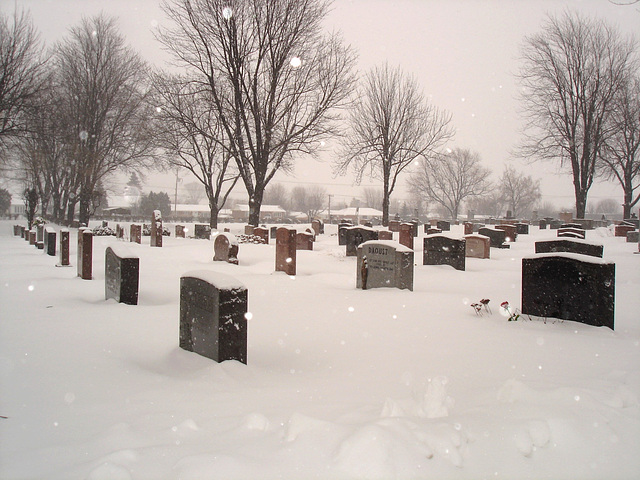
{"x":260,"y":83}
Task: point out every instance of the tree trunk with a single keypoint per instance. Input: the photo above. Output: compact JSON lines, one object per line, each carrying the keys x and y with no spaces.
{"x":255,"y":203}
{"x":386,"y":200}
{"x":85,"y":205}
{"x":71,"y":209}
{"x":626,"y":206}
{"x":213,"y":217}
{"x":581,"y":203}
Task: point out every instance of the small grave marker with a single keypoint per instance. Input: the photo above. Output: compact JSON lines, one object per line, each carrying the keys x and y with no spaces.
{"x":156,"y":229}
{"x":202,"y":231}
{"x":180,"y":231}
{"x":405,"y":237}
{"x":304,"y":241}
{"x":511,"y":232}
{"x":263,"y":233}
{"x":496,"y":236}
{"x":85,"y":253}
{"x":355,"y":236}
{"x":225,"y":248}
{"x":385,"y":235}
{"x":64,"y":248}
{"x":50,"y":241}
{"x":135,"y":233}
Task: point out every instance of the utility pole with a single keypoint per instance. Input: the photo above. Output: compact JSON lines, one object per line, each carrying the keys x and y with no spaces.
{"x":175,"y":195}
{"x":330,"y":222}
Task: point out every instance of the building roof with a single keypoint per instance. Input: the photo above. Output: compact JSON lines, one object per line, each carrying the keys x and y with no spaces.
{"x":353,"y":211}
{"x":263,"y":208}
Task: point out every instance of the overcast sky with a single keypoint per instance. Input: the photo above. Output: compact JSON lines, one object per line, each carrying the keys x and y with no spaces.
{"x":464,"y":54}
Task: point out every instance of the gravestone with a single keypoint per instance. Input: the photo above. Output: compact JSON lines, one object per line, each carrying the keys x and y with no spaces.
{"x":511,"y":232}
{"x":27,"y":235}
{"x":342,"y":232}
{"x":405,"y":236}
{"x":555,"y":224}
{"x":121,"y":275}
{"x":433,"y":231}
{"x":272,"y":232}
{"x":633,"y":237}
{"x":318,"y":226}
{"x":496,"y":236}
{"x":135,"y":233}
{"x":468,"y":228}
{"x":542,"y":224}
{"x":522,"y":228}
{"x":119,"y":232}
{"x":477,"y":246}
{"x":22,"y":231}
{"x":262,"y":233}
{"x":202,"y":231}
{"x":385,"y":235}
{"x":32,"y":237}
{"x":569,"y":246}
{"x":384,"y":263}
{"x":16,"y":230}
{"x":444,"y":225}
{"x":225,"y":248}
{"x":64,"y":248}
{"x":40,"y":233}
{"x":248,"y":229}
{"x":394,"y":225}
{"x":571,"y":232}
{"x":286,"y":250}
{"x":156,"y":229}
{"x":213,"y":309}
{"x":416,"y":228}
{"x":569,"y":287}
{"x":304,"y":241}
{"x":180,"y":231}
{"x":85,"y":253}
{"x":443,"y":250}
{"x":622,"y":230}
{"x":354,"y":236}
{"x":50,"y":241}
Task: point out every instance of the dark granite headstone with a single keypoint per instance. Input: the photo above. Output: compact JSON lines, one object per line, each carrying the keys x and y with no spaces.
{"x":496,"y":236}
{"x":342,"y":232}
{"x":354,"y":236}
{"x":522,"y":228}
{"x":569,"y":246}
{"x":225,"y":248}
{"x":202,"y":231}
{"x":50,"y":241}
{"x":384,"y":264}
{"x":180,"y":231}
{"x":542,"y":224}
{"x":442,"y":250}
{"x":286,"y":250}
{"x":511,"y":232}
{"x":468,"y":228}
{"x":633,"y":236}
{"x":444,"y":225}
{"x":272,"y":232}
{"x":85,"y":253}
{"x":571,"y":232}
{"x":318,"y":226}
{"x":213,"y":309}
{"x":569,"y":287}
{"x":433,"y":231}
{"x":555,"y":224}
{"x":121,"y":275}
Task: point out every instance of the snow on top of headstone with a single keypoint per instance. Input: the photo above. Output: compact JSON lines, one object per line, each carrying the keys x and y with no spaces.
{"x":389,"y":243}
{"x":157,"y":214}
{"x":233,"y":240}
{"x":221,"y":281}
{"x":571,"y":239}
{"x":362,"y":227}
{"x":475,"y":235}
{"x":574,"y":256}
{"x":122,"y":251}
{"x":450,"y":236}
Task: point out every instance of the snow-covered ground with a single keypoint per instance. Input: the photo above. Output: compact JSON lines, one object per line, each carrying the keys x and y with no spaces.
{"x":340,"y":383}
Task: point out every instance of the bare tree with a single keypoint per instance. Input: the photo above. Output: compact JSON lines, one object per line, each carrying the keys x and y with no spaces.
{"x":275,"y":80}
{"x":390,"y":126}
{"x":621,"y":158}
{"x":101,"y":82}
{"x":308,"y":199}
{"x":520,"y":192}
{"x":373,"y":197}
{"x":21,"y":73}
{"x":571,"y":74}
{"x":194,"y":193}
{"x":190,"y":132}
{"x":451,"y":178}
{"x":276,"y":194}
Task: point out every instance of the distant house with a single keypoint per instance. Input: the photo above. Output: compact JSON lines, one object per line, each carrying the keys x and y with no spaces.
{"x":357,"y":214}
{"x":17,"y":209}
{"x":268,"y":213}
{"x":196,"y":213}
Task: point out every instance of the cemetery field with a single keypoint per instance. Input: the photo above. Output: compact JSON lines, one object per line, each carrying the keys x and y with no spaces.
{"x":340,"y":383}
